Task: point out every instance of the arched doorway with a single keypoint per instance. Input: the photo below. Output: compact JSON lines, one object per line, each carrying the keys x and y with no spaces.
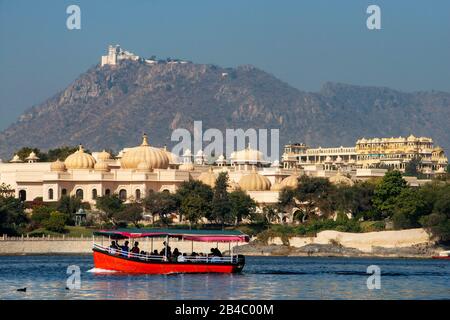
{"x":94,"y":194}
{"x":123,"y":194}
{"x":50,"y":194}
{"x":79,"y":194}
{"x":138,"y":194}
{"x":22,"y":195}
{"x":64,"y":192}
{"x":107,"y":192}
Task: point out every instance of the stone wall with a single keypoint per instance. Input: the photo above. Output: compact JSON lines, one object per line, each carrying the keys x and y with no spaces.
{"x":364,"y":242}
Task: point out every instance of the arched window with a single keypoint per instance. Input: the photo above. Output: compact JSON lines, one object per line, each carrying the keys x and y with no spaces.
{"x":50,"y":194}
{"x":123,"y":194}
{"x":79,"y":194}
{"x":22,"y":195}
{"x":138,"y":194}
{"x":64,"y":192}
{"x":107,"y":192}
{"x":166,"y":191}
{"x":94,"y":194}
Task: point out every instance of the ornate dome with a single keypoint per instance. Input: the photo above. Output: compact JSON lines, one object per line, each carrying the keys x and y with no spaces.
{"x":144,"y":167}
{"x":32,"y":157}
{"x":156,"y":157}
{"x":16,"y":159}
{"x":57,"y":166}
{"x":254,"y":182}
{"x":101,"y":166}
{"x":102,"y":156}
{"x":173,"y":158}
{"x":80,"y":160}
{"x":276,"y":187}
{"x":186,"y":166}
{"x":291,"y":181}
{"x":208,"y":178}
{"x":341,"y":179}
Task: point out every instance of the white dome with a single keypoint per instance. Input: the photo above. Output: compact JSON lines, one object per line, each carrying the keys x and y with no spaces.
{"x":247,"y":155}
{"x":254,"y":182}
{"x":101,"y":166}
{"x":208,"y":178}
{"x":186,"y":166}
{"x":57,"y":166}
{"x":80,"y":160}
{"x":155,"y":157}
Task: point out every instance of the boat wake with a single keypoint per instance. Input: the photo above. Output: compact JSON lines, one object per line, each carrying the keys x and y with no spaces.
{"x":98,"y":270}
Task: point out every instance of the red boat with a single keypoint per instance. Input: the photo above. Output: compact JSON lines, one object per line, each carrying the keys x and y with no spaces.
{"x":110,"y":258}
{"x":444,"y":255}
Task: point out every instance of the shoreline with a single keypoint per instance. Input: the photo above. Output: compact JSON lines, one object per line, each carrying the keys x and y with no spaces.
{"x":410,"y":243}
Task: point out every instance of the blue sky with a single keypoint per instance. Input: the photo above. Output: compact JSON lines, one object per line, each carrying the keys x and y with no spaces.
{"x":304,"y":43}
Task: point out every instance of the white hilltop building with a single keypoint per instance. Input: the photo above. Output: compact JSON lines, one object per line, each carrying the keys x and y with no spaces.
{"x":116,"y":54}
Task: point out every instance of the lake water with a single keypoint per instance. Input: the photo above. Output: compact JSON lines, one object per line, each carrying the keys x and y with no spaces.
{"x":263,"y":278}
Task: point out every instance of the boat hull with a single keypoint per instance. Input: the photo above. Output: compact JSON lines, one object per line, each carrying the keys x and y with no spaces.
{"x":441,"y":257}
{"x":122,"y":264}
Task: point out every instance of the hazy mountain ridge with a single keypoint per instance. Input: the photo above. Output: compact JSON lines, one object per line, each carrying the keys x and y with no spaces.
{"x":110,"y":107}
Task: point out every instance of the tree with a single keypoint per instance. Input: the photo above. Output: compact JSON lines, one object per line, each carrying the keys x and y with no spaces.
{"x":409,"y":206}
{"x":40,"y":214}
{"x":56,"y":222}
{"x":194,"y":207}
{"x":313,"y":193}
{"x":356,"y":199}
{"x":162,"y":204}
{"x":12,"y":215}
{"x":221,"y":207}
{"x":438,"y":222}
{"x":241,"y":205}
{"x":60,"y":153}
{"x":69,"y":205}
{"x":387,"y":190}
{"x":130,"y":213}
{"x":110,"y":207}
{"x":412,"y":167}
{"x":194,"y":188}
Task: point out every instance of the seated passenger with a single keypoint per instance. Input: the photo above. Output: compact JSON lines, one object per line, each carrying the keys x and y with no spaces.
{"x":135,"y":248}
{"x":182,"y":258}
{"x":125,"y":247}
{"x":155,"y":253}
{"x":176,"y":253}
{"x":217,"y":252}
{"x":113,"y":247}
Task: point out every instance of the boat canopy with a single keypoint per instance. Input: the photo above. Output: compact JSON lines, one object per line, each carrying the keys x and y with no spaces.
{"x":194,"y":235}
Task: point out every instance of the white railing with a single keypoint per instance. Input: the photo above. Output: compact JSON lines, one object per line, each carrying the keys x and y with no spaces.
{"x":146,"y":257}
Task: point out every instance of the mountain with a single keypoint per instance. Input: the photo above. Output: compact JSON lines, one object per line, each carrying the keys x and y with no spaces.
{"x":110,"y":107}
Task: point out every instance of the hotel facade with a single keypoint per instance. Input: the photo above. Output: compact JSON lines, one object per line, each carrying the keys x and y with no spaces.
{"x":376,"y":153}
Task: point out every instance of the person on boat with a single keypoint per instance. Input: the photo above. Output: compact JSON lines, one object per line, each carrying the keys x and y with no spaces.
{"x":135,"y":248}
{"x":176,"y":253}
{"x":125,"y":249}
{"x":217,"y":252}
{"x":155,"y":253}
{"x":181,"y":257}
{"x":113,"y":247}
